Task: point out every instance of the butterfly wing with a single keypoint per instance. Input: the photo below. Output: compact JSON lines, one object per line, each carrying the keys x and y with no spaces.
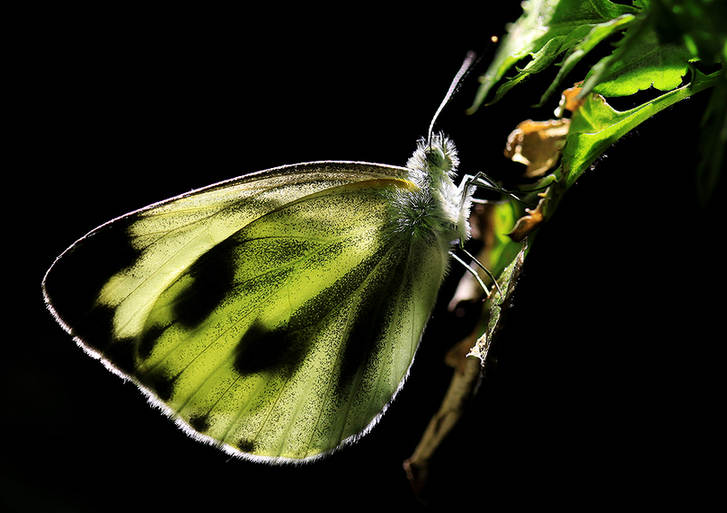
{"x":274,"y":315}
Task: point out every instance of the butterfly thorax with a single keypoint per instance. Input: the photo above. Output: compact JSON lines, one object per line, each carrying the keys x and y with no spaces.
{"x":437,"y":207}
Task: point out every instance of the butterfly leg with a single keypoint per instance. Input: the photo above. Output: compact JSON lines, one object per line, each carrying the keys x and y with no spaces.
{"x":487,"y":271}
{"x":472,"y":272}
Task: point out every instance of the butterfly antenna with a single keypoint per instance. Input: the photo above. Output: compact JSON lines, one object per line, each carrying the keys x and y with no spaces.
{"x":472,"y":272}
{"x":466,"y":65}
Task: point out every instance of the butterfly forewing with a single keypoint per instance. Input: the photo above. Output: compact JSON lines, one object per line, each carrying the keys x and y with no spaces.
{"x":275,"y":315}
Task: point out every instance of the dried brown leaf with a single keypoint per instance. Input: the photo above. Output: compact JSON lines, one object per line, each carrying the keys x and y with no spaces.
{"x":537,"y":144}
{"x":528,"y":222}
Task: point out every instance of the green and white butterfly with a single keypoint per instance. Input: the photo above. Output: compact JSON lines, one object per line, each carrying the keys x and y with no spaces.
{"x":277,"y":314}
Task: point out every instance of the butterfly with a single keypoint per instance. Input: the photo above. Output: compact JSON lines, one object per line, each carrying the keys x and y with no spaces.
{"x":275,"y":315}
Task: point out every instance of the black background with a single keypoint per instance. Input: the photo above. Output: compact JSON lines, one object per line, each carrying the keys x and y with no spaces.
{"x":601,"y":388}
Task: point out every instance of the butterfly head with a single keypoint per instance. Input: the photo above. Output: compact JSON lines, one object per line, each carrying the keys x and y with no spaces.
{"x":441,"y":158}
{"x":444,"y":206}
{"x":435,"y":158}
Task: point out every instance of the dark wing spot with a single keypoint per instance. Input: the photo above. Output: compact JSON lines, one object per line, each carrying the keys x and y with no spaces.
{"x":148,"y":340}
{"x":95,"y":327}
{"x":74,"y":283}
{"x":259,"y":349}
{"x":212,"y":275}
{"x":200,"y":423}
{"x":121,"y":354}
{"x":365,"y":333}
{"x":161,"y":384}
{"x":76,"y":279}
{"x":246,"y":445}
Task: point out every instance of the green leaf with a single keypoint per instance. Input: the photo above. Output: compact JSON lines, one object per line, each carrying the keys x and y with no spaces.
{"x":547,"y":29}
{"x":597,"y":34}
{"x":596,"y":125}
{"x":701,"y":24}
{"x":713,"y":141}
{"x":640,"y":61}
{"x":503,"y":249}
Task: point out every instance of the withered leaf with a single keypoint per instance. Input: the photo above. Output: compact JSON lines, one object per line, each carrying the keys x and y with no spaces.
{"x":570,"y":100}
{"x":528,"y":222}
{"x":537,"y":144}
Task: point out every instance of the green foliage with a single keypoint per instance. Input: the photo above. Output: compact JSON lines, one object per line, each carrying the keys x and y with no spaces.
{"x":701,"y":24}
{"x":637,"y":66}
{"x":661,"y":46}
{"x":595,"y":36}
{"x":596,"y":125}
{"x":547,"y":29}
{"x":702,"y":27}
{"x":661,"y":40}
{"x":503,"y":249}
{"x":713,"y":140}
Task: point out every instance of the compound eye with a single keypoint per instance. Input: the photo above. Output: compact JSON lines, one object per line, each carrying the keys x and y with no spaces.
{"x":437,"y":159}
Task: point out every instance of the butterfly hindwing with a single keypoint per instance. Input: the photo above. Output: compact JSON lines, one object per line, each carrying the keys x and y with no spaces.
{"x":275,"y":315}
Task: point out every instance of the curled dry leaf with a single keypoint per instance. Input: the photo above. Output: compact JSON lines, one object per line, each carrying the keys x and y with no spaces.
{"x":537,"y":144}
{"x":528,"y":222}
{"x":570,"y":100}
